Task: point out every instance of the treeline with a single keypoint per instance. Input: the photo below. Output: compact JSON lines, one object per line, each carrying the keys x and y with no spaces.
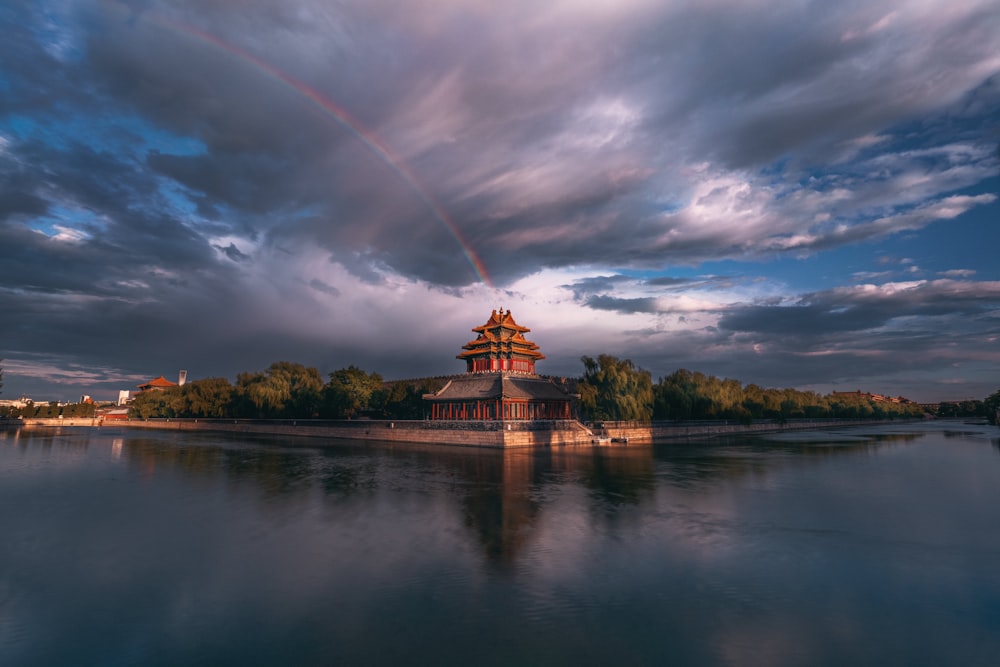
{"x":289,"y":391}
{"x":991,"y":407}
{"x":610,"y":389}
{"x":51,"y":410}
{"x":616,"y":389}
{"x":687,"y":395}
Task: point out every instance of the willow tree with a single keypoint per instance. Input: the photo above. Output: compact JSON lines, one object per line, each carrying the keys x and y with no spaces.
{"x":285,"y":389}
{"x":211,"y":397}
{"x":615,"y":389}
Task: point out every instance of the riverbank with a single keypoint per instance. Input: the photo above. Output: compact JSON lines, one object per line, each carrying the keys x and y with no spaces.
{"x":483,"y":434}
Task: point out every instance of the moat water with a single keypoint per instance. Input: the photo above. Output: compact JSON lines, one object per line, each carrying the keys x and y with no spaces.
{"x":861,"y":546}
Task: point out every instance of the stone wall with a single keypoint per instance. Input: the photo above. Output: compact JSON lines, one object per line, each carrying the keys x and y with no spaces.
{"x":491,"y":434}
{"x":660,"y":431}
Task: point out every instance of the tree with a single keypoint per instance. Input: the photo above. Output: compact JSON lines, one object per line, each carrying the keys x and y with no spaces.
{"x":615,"y":389}
{"x":405,"y":399}
{"x":211,"y":397}
{"x":349,"y":392}
{"x":79,"y":410}
{"x":48,"y":411}
{"x":991,"y":405}
{"x":157,"y":404}
{"x":285,"y":390}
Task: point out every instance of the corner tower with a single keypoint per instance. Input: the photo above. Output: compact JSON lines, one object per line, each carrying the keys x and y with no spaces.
{"x":500,"y":383}
{"x":500,"y":346}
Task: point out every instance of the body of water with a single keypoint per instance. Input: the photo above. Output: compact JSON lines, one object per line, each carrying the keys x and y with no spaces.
{"x":860,"y":546}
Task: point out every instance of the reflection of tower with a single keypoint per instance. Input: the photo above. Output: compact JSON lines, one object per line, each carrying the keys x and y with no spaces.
{"x":182,"y":378}
{"x":501,"y":506}
{"x":504,"y":504}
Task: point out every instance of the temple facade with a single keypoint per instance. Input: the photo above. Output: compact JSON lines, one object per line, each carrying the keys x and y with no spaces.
{"x":500,"y":382}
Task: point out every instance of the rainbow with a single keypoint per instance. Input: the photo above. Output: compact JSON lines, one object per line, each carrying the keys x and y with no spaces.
{"x":339,"y":114}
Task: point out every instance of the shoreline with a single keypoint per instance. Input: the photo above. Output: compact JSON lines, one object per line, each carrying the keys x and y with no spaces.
{"x":474,"y":434}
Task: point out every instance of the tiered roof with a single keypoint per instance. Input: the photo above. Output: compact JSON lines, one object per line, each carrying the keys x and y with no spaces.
{"x":501,"y":337}
{"x":499,"y":385}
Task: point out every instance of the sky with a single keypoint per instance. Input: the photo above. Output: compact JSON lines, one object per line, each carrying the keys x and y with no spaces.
{"x":787,"y":193}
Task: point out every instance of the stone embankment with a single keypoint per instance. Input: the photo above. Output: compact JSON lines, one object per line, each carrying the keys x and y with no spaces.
{"x":489,"y":434}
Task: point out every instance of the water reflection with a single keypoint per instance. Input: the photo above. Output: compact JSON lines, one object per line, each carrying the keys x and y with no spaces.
{"x":500,"y":492}
{"x":862,"y":545}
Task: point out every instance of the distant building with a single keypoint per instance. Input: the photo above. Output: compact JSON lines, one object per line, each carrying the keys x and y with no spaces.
{"x":877,"y":398}
{"x":156,"y":384}
{"x":113,"y":414}
{"x":123,"y":396}
{"x":17,"y":403}
{"x":500,"y":381}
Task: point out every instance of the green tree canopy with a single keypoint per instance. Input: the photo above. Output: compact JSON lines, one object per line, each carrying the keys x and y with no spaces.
{"x":158,"y":404}
{"x":284,"y":390}
{"x":615,"y":389}
{"x":349,"y":392}
{"x":991,"y":405}
{"x":687,"y":395}
{"x":405,"y":399}
{"x":211,"y":397}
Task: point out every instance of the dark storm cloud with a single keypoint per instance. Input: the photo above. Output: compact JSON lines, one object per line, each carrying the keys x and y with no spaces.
{"x":169,"y":171}
{"x":864,"y":308}
{"x":668,"y":281}
{"x":16,"y":197}
{"x":233,"y":253}
{"x":597,"y":291}
{"x":637,"y":305}
{"x":549,"y":169}
{"x":902,"y":338}
{"x":106,"y":202}
{"x":596,"y":284}
{"x":321,"y":286}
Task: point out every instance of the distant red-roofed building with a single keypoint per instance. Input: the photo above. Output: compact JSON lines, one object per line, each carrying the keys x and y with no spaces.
{"x":156,"y":384}
{"x":113,"y":414}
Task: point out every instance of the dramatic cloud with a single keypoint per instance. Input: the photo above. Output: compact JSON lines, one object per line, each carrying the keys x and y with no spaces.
{"x":725,"y":186}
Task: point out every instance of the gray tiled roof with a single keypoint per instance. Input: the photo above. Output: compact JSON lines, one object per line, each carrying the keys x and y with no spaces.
{"x":480,"y":386}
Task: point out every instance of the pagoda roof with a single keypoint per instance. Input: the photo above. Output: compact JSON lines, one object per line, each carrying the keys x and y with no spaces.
{"x":499,"y":318}
{"x":491,"y":340}
{"x":161,"y":382}
{"x":486,"y":386}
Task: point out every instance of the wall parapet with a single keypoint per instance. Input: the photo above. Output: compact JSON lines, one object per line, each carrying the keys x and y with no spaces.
{"x":490,"y":434}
